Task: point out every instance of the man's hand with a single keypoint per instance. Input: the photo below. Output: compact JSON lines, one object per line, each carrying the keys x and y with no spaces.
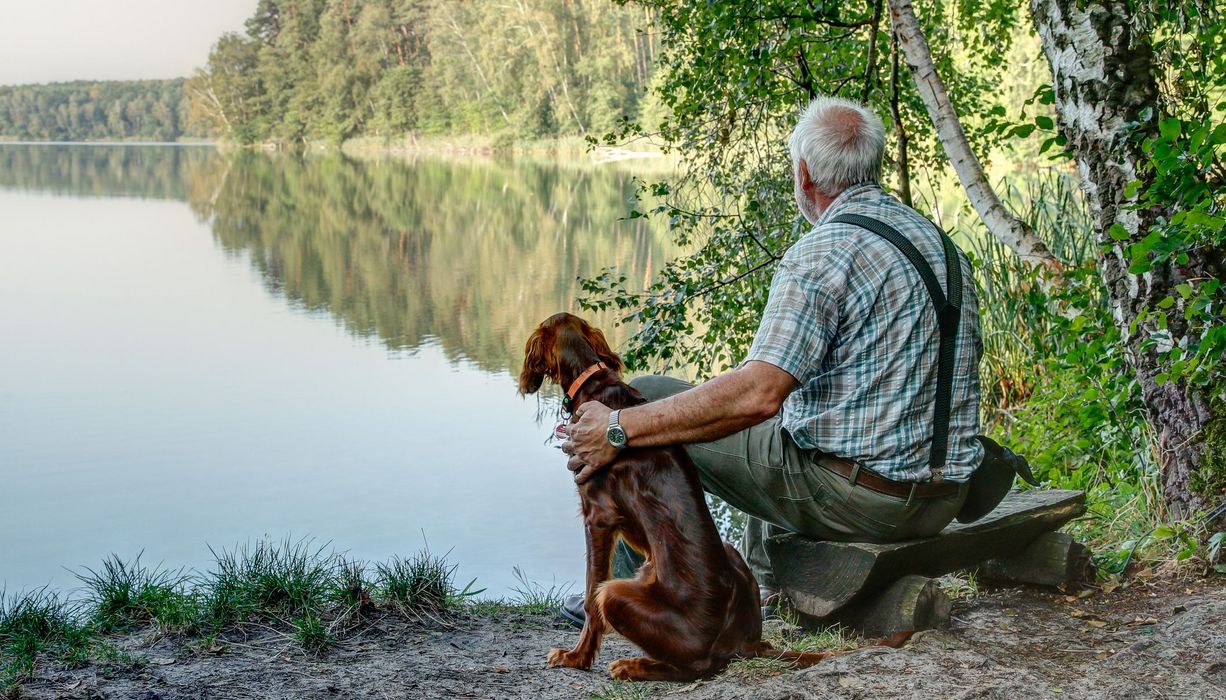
{"x":589,"y":446}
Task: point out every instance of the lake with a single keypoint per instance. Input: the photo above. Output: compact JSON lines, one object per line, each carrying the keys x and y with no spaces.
{"x":202,"y":349}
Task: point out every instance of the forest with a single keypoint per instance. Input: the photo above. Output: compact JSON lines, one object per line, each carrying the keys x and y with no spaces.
{"x":129,"y":110}
{"x":330,"y":70}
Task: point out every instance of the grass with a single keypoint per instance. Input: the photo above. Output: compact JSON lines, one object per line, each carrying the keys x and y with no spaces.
{"x":790,"y":636}
{"x":622,"y":690}
{"x":33,"y":624}
{"x":268,"y":578}
{"x":423,"y":585}
{"x":124,"y":594}
{"x":296,"y":585}
{"x":312,"y":633}
{"x":353,"y":592}
{"x":962,"y":584}
{"x":532,"y":597}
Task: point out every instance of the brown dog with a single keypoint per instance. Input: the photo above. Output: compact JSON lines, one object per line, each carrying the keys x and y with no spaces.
{"x":694,"y":606}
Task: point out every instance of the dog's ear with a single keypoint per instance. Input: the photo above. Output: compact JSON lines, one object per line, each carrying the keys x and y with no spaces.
{"x":537,"y":361}
{"x":595,"y":338}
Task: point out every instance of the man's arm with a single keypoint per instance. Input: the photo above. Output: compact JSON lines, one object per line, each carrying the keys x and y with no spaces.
{"x":730,"y":402}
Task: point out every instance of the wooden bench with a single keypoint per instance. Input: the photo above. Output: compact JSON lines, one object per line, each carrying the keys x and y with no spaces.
{"x":879,"y":589}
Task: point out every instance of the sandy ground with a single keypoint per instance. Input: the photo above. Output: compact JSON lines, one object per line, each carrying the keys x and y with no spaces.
{"x":1150,"y":639}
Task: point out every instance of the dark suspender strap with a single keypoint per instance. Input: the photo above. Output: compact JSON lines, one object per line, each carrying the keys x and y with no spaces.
{"x":948,"y":311}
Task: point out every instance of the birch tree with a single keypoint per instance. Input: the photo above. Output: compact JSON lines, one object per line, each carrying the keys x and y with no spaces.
{"x":1106,"y":64}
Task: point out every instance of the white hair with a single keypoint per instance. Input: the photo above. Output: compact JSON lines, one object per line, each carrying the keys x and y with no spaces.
{"x":842,"y":142}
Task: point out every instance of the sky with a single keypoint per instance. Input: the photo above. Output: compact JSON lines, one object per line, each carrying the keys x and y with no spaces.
{"x":56,"y":40}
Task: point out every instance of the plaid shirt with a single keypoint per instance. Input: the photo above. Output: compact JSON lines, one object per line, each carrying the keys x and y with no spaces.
{"x":850,"y":319}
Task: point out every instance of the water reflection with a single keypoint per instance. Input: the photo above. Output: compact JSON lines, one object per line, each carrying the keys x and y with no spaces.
{"x":470,"y":255}
{"x":319,"y":346}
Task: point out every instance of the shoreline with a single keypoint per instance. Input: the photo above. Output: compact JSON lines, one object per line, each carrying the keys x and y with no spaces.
{"x":411,"y":146}
{"x":1152,"y":638}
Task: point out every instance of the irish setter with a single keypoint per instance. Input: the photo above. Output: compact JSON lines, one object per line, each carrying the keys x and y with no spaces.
{"x":694,"y":606}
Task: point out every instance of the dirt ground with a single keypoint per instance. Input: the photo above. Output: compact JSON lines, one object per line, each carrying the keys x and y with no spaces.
{"x":1150,"y":639}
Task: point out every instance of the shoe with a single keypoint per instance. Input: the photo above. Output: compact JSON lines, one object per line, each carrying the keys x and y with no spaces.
{"x":770,"y":602}
{"x":572,"y":611}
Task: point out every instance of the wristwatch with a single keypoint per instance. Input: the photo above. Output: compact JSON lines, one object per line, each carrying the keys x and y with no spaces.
{"x":617,"y":436}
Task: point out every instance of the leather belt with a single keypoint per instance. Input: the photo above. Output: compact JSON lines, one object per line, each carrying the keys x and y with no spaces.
{"x":869,"y":479}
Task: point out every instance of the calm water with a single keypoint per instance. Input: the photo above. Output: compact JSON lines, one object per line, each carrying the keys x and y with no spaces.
{"x":200,"y":350}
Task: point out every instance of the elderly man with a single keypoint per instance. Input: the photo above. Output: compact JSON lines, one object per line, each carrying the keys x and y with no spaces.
{"x":826,"y":428}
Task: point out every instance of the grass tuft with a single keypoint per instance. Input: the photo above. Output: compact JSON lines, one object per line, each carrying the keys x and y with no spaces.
{"x":122,"y":595}
{"x":269,"y":578}
{"x":353,"y":590}
{"x":755,"y":669}
{"x":790,"y":636}
{"x":422,"y":585}
{"x":532,"y":597}
{"x":312,"y":634}
{"x":35,"y":623}
{"x":963,"y":584}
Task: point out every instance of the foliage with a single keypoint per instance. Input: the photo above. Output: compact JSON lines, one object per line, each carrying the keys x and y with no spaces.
{"x":731,"y":83}
{"x":144,"y":110}
{"x":329,"y":70}
{"x":1057,"y":377}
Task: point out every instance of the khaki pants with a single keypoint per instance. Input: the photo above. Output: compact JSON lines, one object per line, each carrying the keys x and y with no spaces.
{"x":784,"y":488}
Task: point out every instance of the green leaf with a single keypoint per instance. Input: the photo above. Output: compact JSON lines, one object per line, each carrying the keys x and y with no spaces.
{"x":1118,"y":232}
{"x":1170,"y":128}
{"x":1163,"y":532}
{"x":1167,"y":302}
{"x":1044,"y":122}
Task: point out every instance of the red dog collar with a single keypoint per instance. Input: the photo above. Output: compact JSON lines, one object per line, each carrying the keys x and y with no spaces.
{"x":576,"y":385}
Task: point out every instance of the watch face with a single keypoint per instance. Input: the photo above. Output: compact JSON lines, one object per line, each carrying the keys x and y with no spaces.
{"x":617,"y":437}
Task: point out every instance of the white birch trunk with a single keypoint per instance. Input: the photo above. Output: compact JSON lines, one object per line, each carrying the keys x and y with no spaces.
{"x":1007,"y":228}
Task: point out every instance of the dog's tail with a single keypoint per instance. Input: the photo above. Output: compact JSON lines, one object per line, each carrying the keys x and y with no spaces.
{"x":801,"y":659}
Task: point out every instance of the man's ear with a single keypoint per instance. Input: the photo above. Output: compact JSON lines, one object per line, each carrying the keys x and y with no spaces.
{"x":536,"y":363}
{"x":806,"y":180}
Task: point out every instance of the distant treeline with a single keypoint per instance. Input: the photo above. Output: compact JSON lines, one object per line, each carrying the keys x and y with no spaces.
{"x":329,"y":70}
{"x":146,"y":110}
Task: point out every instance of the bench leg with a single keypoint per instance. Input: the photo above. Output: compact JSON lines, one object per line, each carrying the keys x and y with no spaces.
{"x":910,"y":603}
{"x":1054,"y":559}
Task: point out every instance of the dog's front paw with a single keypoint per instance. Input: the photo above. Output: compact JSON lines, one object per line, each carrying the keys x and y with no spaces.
{"x":622,"y":669}
{"x":568,"y":659}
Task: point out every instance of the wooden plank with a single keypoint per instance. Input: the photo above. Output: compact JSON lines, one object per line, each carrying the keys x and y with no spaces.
{"x":820,"y":577}
{"x":911,"y":603}
{"x":1053,"y":559}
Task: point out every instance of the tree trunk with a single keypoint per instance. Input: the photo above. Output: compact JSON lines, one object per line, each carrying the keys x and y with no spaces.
{"x":1002,"y":224}
{"x":1103,"y":76}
